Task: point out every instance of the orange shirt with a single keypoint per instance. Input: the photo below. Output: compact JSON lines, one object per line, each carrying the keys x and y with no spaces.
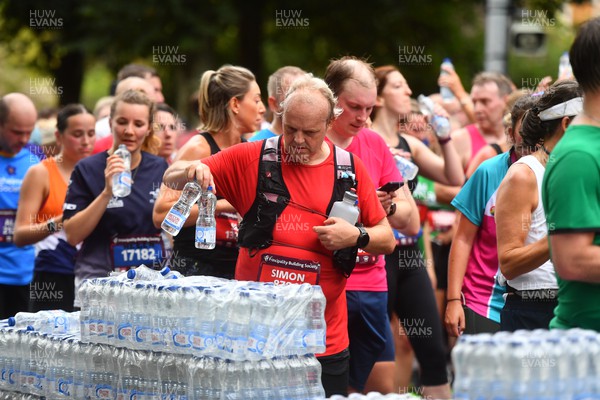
{"x":53,"y":204}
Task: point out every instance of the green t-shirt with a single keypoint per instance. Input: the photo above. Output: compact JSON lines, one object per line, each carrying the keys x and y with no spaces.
{"x":571,"y":197}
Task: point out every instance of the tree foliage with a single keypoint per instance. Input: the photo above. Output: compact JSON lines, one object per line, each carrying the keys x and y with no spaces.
{"x":209,"y":33}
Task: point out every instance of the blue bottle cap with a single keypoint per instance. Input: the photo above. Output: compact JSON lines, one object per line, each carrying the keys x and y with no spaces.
{"x":131,"y":274}
{"x":11,"y":321}
{"x":209,"y":188}
{"x":165,"y":271}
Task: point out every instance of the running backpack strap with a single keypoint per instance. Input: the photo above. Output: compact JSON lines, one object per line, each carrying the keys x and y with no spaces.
{"x":345,"y":177}
{"x":272,"y":196}
{"x":496,"y":147}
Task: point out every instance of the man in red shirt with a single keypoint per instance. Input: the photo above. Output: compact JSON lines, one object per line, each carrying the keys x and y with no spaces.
{"x":303,"y":236}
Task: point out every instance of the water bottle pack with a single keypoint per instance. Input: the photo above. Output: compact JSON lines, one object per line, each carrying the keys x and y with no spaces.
{"x":60,"y":366}
{"x":204,"y":316}
{"x":375,"y":396}
{"x":536,"y":364}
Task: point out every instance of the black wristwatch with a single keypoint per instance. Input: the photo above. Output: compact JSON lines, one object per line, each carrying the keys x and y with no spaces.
{"x":363,"y":238}
{"x":51,"y":225}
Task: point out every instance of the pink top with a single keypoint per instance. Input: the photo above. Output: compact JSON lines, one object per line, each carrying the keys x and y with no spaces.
{"x":369,"y":273}
{"x":477,"y":141}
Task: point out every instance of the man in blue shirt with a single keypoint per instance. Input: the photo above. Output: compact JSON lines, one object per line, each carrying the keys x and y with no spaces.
{"x":278,"y":85}
{"x":17,"y":120}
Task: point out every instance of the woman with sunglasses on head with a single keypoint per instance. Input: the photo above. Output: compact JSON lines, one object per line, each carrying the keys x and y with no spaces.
{"x":522,"y":234}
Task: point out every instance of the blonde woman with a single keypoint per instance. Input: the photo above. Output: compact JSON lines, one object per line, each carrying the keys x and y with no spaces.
{"x":230,"y":106}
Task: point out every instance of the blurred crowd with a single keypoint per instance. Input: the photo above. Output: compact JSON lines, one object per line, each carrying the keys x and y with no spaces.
{"x":496,"y":231}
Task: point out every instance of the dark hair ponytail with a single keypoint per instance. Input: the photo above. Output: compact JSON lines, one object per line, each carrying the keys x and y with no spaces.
{"x":533,"y":130}
{"x":62,"y":118}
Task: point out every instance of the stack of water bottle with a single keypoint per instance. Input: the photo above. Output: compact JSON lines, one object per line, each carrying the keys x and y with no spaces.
{"x":537,"y":364}
{"x":204,"y":316}
{"x":376,"y":396}
{"x":61,"y":366}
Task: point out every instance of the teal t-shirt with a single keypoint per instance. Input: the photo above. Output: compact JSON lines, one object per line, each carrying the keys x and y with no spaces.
{"x":571,"y":197}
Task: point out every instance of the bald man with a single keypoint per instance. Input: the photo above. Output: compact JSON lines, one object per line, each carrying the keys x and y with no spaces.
{"x":105,"y":139}
{"x":17,"y":120}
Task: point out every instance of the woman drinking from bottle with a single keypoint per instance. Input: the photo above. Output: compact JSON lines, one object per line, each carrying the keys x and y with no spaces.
{"x":117,"y":232}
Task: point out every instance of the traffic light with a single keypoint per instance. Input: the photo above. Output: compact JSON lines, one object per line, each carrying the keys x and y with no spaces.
{"x":527,"y":39}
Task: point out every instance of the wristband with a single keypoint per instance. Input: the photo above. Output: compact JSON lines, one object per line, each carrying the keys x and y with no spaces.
{"x":455,"y":299}
{"x":445,"y":140}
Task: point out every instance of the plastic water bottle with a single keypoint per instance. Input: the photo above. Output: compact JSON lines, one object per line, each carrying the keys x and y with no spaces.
{"x":347,"y":209}
{"x":236,"y":336}
{"x":49,"y":321}
{"x":407,"y":169}
{"x":181,"y":210}
{"x":206,"y":224}
{"x":564,"y":67}
{"x":167,"y":273}
{"x":263,"y":313}
{"x":441,"y":125}
{"x":445,"y":91}
{"x":143,"y":273}
{"x":121,"y":182}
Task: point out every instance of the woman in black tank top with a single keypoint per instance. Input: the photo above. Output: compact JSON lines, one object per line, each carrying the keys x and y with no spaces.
{"x":230,"y":106}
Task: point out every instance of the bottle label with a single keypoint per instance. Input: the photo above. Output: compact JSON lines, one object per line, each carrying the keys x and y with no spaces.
{"x":104,"y":392}
{"x":256,"y":344}
{"x":175,"y":219}
{"x":206,"y":234}
{"x":125,"y":178}
{"x":157,"y":337}
{"x":181,"y":339}
{"x":124,"y":332}
{"x":142,"y":333}
{"x":202,"y":342}
{"x":101,"y":328}
{"x":110,"y":329}
{"x":64,"y":387}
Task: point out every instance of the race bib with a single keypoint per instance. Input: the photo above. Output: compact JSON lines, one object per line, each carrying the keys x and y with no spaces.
{"x":131,"y":251}
{"x":285,"y":270}
{"x":7,"y":225}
